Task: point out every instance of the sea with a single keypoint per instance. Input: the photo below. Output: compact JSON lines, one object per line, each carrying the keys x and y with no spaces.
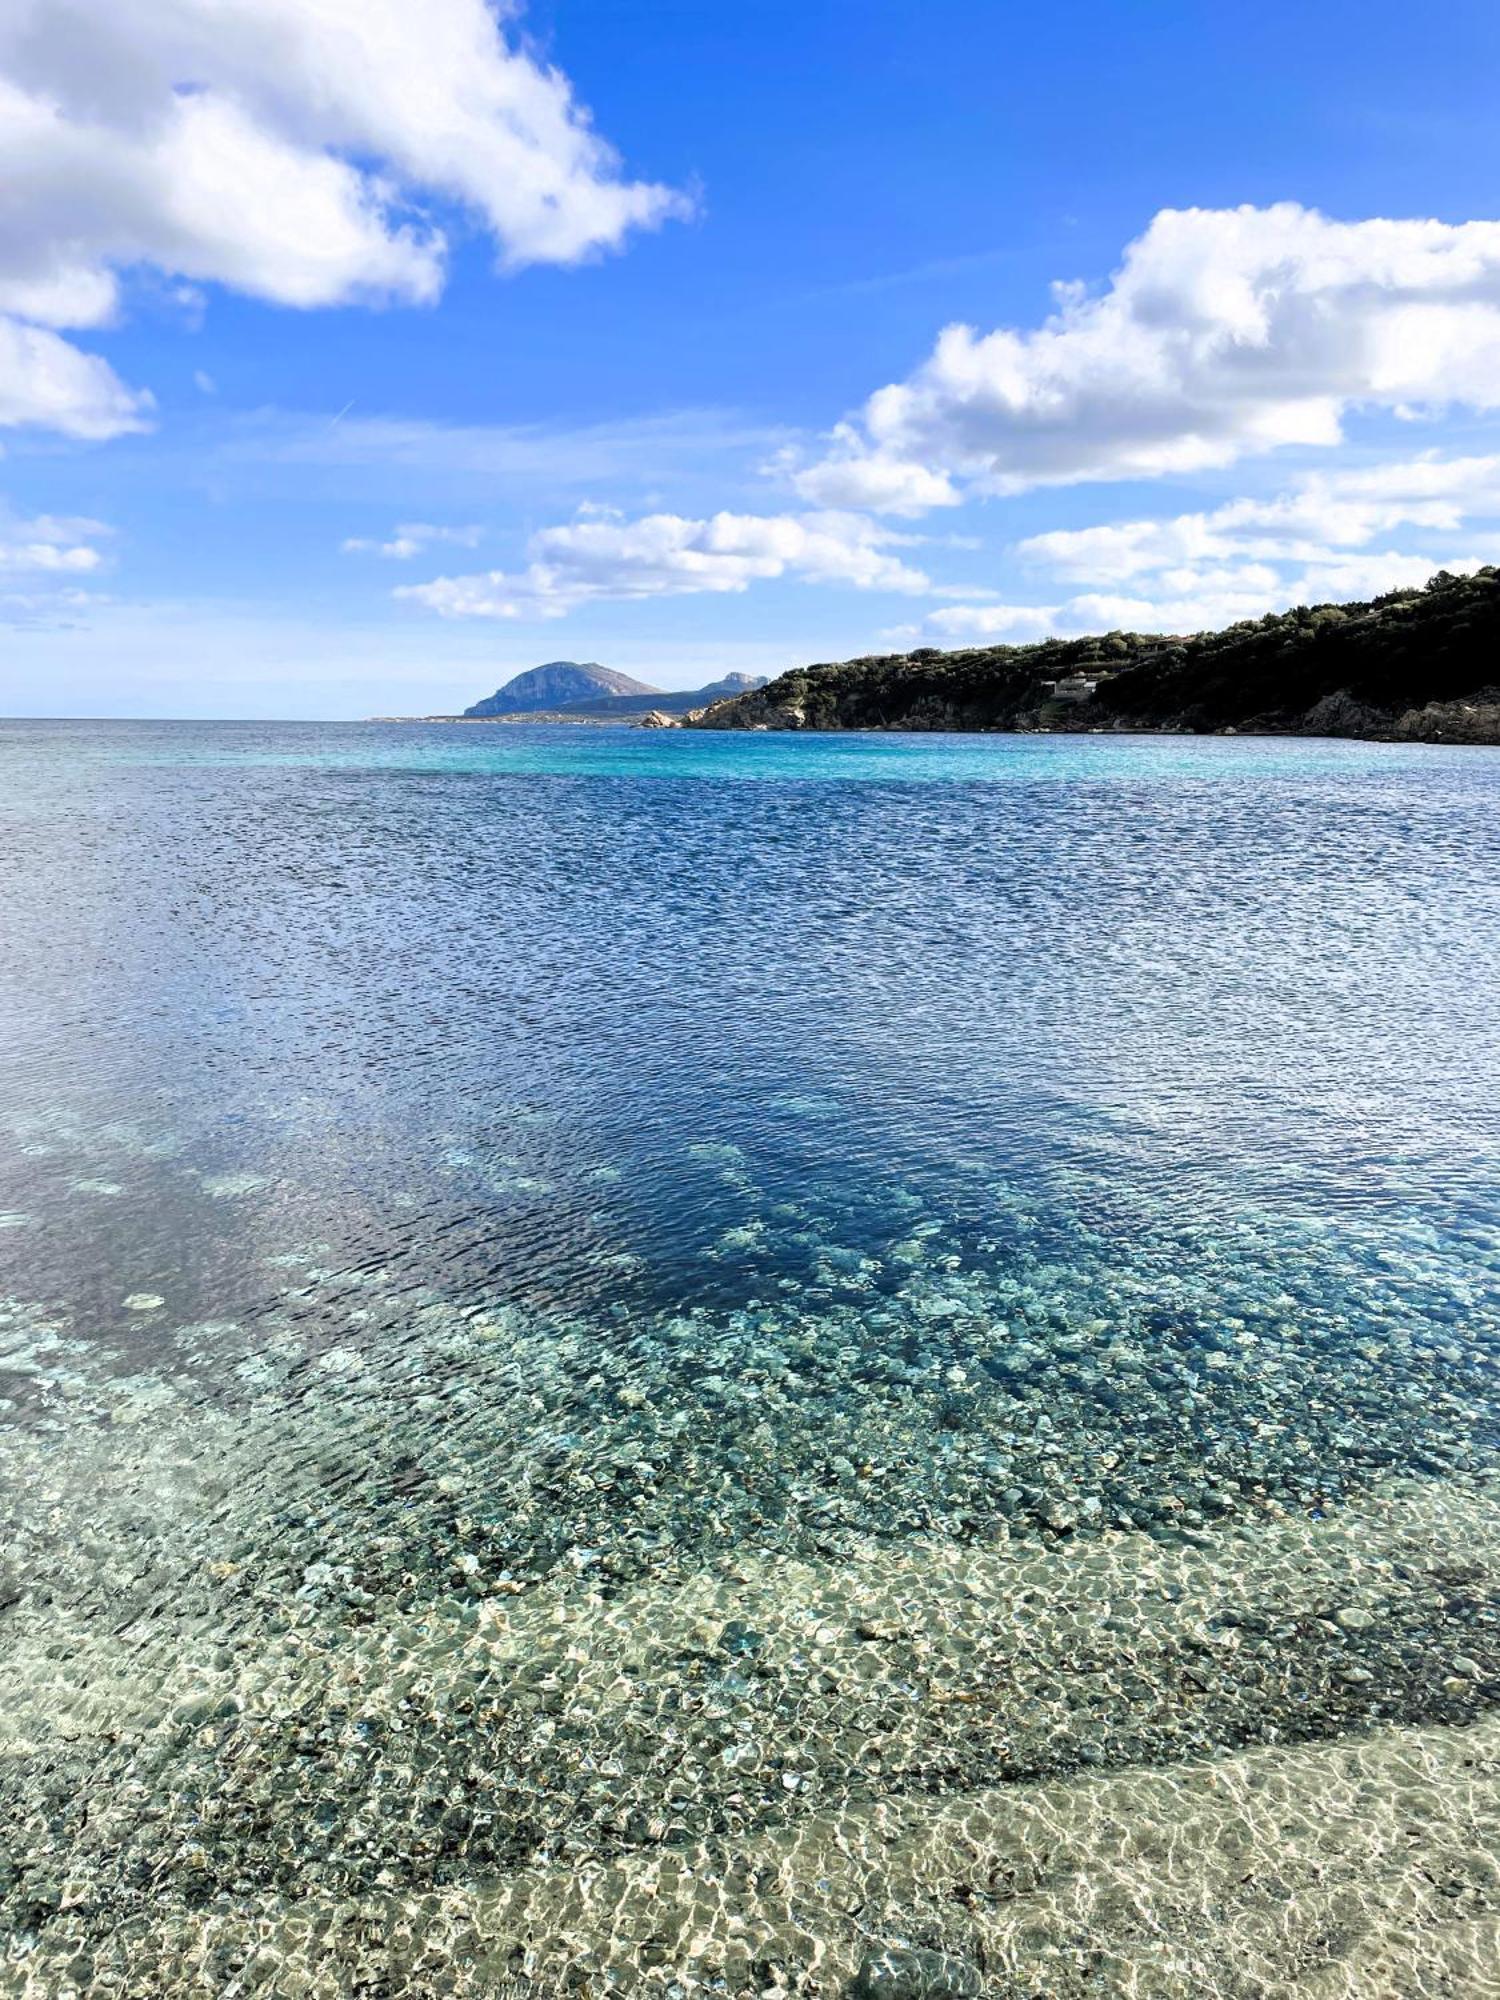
{"x":670,"y":1363}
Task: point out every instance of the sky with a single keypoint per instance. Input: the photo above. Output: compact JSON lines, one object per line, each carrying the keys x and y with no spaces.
{"x":358,"y":354}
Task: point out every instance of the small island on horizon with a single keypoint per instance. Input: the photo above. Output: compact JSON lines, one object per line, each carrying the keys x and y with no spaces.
{"x":581,"y":691}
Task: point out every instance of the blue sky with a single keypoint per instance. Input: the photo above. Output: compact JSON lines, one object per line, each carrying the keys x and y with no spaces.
{"x":342,"y":371}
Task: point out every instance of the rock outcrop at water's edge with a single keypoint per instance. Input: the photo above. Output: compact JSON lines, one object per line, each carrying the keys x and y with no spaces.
{"x":1412,"y":666}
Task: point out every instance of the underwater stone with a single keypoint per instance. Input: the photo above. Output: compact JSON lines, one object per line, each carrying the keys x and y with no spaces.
{"x":740,"y":1639}
{"x":878,"y":1628}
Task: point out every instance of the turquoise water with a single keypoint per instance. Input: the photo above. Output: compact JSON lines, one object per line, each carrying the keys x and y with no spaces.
{"x":775,"y":756}
{"x":510,"y":1234}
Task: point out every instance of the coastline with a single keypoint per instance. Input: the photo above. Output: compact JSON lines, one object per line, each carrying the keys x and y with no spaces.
{"x":1437,"y":732}
{"x":1336,"y":718}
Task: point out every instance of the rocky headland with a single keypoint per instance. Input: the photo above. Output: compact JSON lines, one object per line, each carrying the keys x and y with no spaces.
{"x":1411,"y":666}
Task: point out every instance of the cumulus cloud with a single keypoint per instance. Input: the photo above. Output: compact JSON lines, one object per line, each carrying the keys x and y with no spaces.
{"x":411,"y":539}
{"x":854,"y":476}
{"x":665,"y":555}
{"x":1225,"y":332}
{"x":1324,"y":541}
{"x":45,"y":380}
{"x":279,"y":147}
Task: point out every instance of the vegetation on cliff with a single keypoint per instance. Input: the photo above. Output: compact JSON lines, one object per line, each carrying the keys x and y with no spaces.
{"x":1411,"y":664}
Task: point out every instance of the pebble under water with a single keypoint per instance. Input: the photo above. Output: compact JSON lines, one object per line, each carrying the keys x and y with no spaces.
{"x":643,"y":1364}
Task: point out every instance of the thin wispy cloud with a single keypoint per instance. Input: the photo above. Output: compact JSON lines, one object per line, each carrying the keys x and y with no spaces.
{"x":412,"y":538}
{"x":933,"y":270}
{"x":623,"y":449}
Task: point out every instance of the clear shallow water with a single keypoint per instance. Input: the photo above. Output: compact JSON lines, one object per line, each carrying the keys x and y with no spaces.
{"x":544,"y":1244}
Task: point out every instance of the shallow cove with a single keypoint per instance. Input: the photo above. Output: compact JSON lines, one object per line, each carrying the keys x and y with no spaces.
{"x":648,"y":1363}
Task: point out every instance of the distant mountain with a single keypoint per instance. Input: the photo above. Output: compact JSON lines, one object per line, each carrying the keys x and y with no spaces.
{"x":732,"y":684}
{"x":621,"y":707}
{"x":630,"y":700}
{"x":558,"y":684}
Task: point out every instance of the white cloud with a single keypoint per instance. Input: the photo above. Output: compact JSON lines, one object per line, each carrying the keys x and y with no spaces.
{"x":1225,"y":332}
{"x":665,"y":555}
{"x":49,"y":545}
{"x":47,"y":555}
{"x":1186,"y":601}
{"x":1011,"y":622}
{"x":45,"y":611}
{"x":1325,"y":541}
{"x":278,"y":147}
{"x":410,"y":539}
{"x":1209,"y":603}
{"x":1324,"y":511}
{"x":45,"y":380}
{"x":855,"y":477}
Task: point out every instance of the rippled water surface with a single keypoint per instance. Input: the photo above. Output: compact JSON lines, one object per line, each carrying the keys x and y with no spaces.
{"x":654,"y":1363}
